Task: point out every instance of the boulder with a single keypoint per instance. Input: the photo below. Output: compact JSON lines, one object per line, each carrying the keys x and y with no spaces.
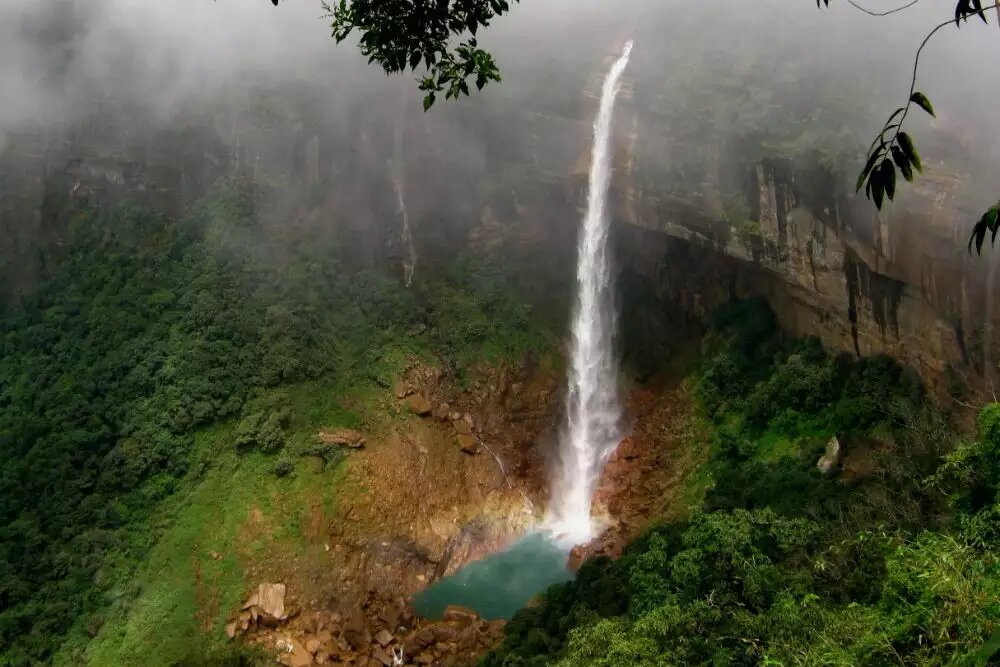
{"x":468,"y":444}
{"x":462,"y":615}
{"x":252,"y":601}
{"x":462,"y":427}
{"x":419,"y":405}
{"x":293,"y":654}
{"x":343,"y":437}
{"x":830,"y":460}
{"x":402,"y":390}
{"x":419,"y":640}
{"x":383,"y":657}
{"x":271,"y":601}
{"x":384,"y":638}
{"x":356,"y":632}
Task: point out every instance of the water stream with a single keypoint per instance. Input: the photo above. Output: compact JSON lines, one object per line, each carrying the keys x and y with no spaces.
{"x":500,"y":584}
{"x":593,"y":408}
{"x":405,"y":234}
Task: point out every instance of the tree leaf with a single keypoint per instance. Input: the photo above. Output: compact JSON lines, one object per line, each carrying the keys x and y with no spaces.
{"x":428,"y":101}
{"x":872,"y":159}
{"x":888,"y":178}
{"x":878,"y":188}
{"x":921,"y":100}
{"x":979,"y":10}
{"x":906,"y":144}
{"x":899,"y":157}
{"x":961,"y":9}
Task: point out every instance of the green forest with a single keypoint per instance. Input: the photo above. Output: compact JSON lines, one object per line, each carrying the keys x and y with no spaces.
{"x":149,"y":334}
{"x":333,"y":332}
{"x":782,"y":565}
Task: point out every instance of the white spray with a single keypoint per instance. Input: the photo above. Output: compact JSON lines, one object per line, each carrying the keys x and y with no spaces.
{"x":593,"y":410}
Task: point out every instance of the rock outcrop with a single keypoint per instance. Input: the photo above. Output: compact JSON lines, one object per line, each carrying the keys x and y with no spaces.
{"x":419,"y":405}
{"x":379,"y":632}
{"x":831,"y":457}
{"x":342,"y":437}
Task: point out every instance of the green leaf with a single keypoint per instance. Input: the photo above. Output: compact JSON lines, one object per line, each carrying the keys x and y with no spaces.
{"x":878,"y":188}
{"x":872,"y":159}
{"x":978,"y":235}
{"x":428,"y":101}
{"x":899,"y":157}
{"x":921,"y":101}
{"x":906,"y":144}
{"x":888,"y":178}
{"x":991,"y":223}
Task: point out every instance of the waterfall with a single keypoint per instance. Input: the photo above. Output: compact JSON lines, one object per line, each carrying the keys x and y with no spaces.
{"x":593,"y":411}
{"x":405,"y":235}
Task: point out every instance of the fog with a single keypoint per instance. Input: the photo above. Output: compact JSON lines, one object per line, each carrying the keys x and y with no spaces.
{"x":67,"y":61}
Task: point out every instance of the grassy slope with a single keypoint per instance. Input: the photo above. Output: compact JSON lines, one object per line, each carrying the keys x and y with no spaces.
{"x":237,"y":510}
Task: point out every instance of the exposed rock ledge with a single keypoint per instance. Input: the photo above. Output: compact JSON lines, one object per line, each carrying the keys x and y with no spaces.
{"x":903,"y":285}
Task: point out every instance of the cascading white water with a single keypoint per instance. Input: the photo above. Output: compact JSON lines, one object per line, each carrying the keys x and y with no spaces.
{"x":593,"y":411}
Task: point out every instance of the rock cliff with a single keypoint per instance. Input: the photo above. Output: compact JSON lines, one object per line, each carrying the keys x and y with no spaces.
{"x":507,"y":179}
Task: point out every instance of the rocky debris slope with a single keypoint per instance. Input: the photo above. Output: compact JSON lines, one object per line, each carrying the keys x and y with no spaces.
{"x":451,"y":475}
{"x":379,"y":632}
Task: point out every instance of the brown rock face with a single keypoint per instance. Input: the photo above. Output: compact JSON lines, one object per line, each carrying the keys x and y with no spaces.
{"x":900,"y":283}
{"x":468,"y":444}
{"x":419,"y":405}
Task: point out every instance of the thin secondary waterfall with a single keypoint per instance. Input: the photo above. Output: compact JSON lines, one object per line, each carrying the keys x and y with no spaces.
{"x":593,"y":410}
{"x":405,"y":234}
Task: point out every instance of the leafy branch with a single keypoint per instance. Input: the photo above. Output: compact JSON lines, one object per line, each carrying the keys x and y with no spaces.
{"x":898,"y":151}
{"x":887,"y":154}
{"x":409,"y":34}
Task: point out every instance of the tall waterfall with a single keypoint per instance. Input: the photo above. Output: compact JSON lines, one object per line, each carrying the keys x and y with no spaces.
{"x":593,"y":411}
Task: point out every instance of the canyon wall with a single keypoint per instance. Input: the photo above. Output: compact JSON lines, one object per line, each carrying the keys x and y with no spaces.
{"x":505,"y":176}
{"x":900,"y":282}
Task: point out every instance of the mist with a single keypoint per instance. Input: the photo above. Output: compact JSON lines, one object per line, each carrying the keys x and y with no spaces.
{"x":123,"y":72}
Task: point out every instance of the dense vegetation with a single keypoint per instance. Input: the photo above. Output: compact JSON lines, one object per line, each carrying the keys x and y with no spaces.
{"x":891,"y":561}
{"x":149,"y":334}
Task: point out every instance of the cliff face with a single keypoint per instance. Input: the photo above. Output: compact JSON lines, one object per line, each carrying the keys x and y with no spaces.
{"x":900,"y":283}
{"x":500,"y":178}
